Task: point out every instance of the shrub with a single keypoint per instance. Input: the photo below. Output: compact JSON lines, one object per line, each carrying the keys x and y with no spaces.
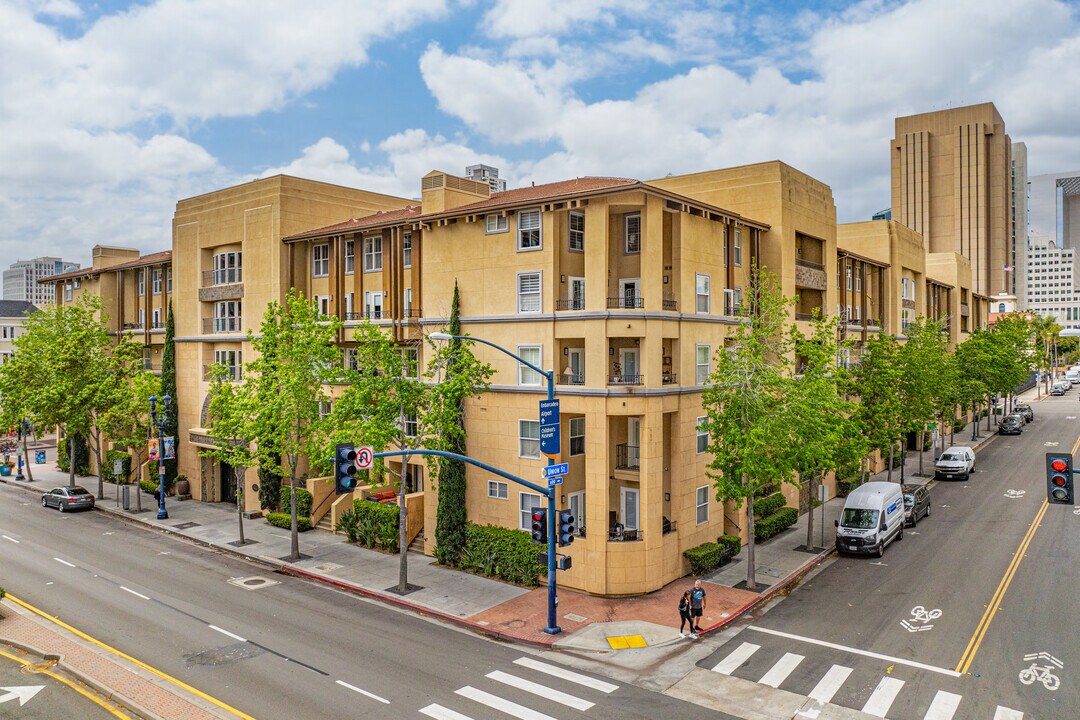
{"x":732,"y":544}
{"x":148,"y":486}
{"x":377,"y":523}
{"x":768,"y":505}
{"x":303,"y":502}
{"x":269,"y":488}
{"x":776,"y":523}
{"x":349,"y":525}
{"x":503,"y":553}
{"x":125,"y":473}
{"x":704,"y":557}
{"x":846,"y":485}
{"x":82,"y":455}
{"x":284,"y":520}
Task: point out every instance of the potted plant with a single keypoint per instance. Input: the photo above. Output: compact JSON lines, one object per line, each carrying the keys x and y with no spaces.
{"x":8,"y":445}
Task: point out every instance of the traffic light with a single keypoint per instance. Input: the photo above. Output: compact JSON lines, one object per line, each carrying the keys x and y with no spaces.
{"x":539,"y":525}
{"x":566,"y":527}
{"x":344,"y":468}
{"x":1059,"y":479}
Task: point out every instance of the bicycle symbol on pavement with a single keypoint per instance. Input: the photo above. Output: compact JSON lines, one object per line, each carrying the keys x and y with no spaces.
{"x":1013,"y":494}
{"x":920,"y":619}
{"x":1042,"y":673}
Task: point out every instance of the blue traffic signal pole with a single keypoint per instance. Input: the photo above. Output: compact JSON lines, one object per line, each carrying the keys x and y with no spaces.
{"x":553,"y":597}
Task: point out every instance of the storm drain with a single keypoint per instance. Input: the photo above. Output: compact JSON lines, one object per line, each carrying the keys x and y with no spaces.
{"x":253,"y":583}
{"x":185,"y":526}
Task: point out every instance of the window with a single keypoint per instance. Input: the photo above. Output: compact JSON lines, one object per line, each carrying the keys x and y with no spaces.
{"x":411,"y":359}
{"x":858,"y":281}
{"x":373,"y":253}
{"x":410,"y":425}
{"x":500,"y":491}
{"x":320,"y":260}
{"x":168,"y":279}
{"x":231,"y":361}
{"x":352,"y":360}
{"x":733,"y":301}
{"x":67,"y":292}
{"x":702,"y":434}
{"x":156,"y":318}
{"x":227,"y":268}
{"x":723,"y":241}
{"x":373,"y":304}
{"x":528,"y":292}
{"x":702,"y":504}
{"x":227,"y":316}
{"x":847,"y":275}
{"x":140,"y":281}
{"x":142,"y":317}
{"x":406,"y":248}
{"x":350,"y":257}
{"x":577,"y":231}
{"x":155,"y":281}
{"x":737,"y":247}
{"x":350,"y":302}
{"x":527,"y":502}
{"x":529,"y":439}
{"x":632,"y":233}
{"x":322,"y":306}
{"x":528,"y":223}
{"x":703,"y":290}
{"x":325,"y":408}
{"x":408,"y":302}
{"x":701,"y":376}
{"x":496,"y":224}
{"x":577,"y":293}
{"x":577,"y":436}
{"x":526,"y":375}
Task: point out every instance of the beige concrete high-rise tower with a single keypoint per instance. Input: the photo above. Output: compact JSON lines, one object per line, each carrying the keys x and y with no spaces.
{"x":951,"y":182}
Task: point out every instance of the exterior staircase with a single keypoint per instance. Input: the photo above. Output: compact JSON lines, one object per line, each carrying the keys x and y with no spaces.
{"x":324,"y":523}
{"x":417,"y":545}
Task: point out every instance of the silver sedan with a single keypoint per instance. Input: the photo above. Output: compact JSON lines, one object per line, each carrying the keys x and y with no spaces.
{"x":68,"y":498}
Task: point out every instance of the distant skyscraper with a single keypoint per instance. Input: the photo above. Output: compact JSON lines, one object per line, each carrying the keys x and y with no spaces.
{"x":486,"y":174}
{"x":1055,"y":208}
{"x":885,"y":214}
{"x":21,"y":279}
{"x":951,"y":182}
{"x":1019,"y":235}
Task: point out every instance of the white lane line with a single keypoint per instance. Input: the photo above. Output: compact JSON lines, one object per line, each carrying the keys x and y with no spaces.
{"x":856,"y":651}
{"x":781,"y":670}
{"x":496,"y":702}
{"x":11,"y":539}
{"x":133,"y":592}
{"x":882,"y":698}
{"x":363,"y":692}
{"x":732,"y":662}
{"x":440,"y":713}
{"x":567,"y":675}
{"x":541,"y":690}
{"x":226,"y":632}
{"x":828,"y":685}
{"x":943,"y":707}
{"x":1004,"y":713}
{"x":63,"y":562}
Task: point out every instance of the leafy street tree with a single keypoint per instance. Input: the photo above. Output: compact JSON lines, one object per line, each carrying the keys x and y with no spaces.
{"x":114,"y":369}
{"x":972,"y":359}
{"x":230,"y":431}
{"x":127,"y":423}
{"x":452,"y":516}
{"x":168,"y":387}
{"x":827,"y":437}
{"x":296,"y":358}
{"x":390,"y":403}
{"x":747,"y":402}
{"x":922,"y":385}
{"x":880,"y":411}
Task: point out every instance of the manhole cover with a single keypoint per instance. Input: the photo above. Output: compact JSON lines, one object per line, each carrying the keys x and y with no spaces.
{"x":253,"y":583}
{"x":328,"y":567}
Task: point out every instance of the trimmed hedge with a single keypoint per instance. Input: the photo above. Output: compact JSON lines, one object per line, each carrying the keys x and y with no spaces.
{"x":82,"y":455}
{"x":125,"y":474}
{"x":303,"y":502}
{"x":732,"y":544}
{"x":148,"y":486}
{"x":284,"y":520}
{"x":766,"y":506}
{"x":376,"y":523}
{"x":502,"y":553}
{"x":705,"y":557}
{"x":775,"y":524}
{"x":846,"y":485}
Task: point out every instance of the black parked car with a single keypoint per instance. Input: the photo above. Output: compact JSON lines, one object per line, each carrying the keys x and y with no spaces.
{"x":1024,"y":410}
{"x":916,"y":503}
{"x":1011,"y":425}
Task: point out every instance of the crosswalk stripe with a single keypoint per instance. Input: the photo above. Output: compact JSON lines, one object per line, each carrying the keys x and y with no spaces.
{"x":732,"y":662}
{"x":498,"y":703}
{"x":779,"y":672}
{"x":1004,"y":713}
{"x":541,"y":690}
{"x":828,"y":685}
{"x":567,"y":675}
{"x":882,"y":698}
{"x":943,"y":707}
{"x":440,"y":713}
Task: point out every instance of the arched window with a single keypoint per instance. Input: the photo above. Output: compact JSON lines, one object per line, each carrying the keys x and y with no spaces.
{"x":1001,"y":307}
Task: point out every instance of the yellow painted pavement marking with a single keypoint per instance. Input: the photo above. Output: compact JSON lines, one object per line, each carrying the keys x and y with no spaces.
{"x":69,"y":683}
{"x":622,"y":642}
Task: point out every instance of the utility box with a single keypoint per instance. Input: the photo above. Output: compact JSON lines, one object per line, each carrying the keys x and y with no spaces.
{"x":125,"y":496}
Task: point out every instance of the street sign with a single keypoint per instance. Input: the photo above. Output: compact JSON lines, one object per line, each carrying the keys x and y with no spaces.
{"x":555,"y":470}
{"x":550,"y":437}
{"x":553,"y":481}
{"x":118,"y":467}
{"x":365,"y":456}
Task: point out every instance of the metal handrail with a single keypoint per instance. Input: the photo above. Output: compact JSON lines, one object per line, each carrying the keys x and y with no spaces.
{"x":627,"y":457}
{"x":572,"y":304}
{"x":624,"y":379}
{"x":625,"y":302}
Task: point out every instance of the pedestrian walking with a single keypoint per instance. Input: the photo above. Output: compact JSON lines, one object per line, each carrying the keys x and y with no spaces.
{"x":685,"y":617}
{"x":697,"y":605}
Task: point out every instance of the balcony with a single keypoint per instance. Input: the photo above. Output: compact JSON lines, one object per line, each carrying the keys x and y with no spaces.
{"x":157,"y":325}
{"x":809,"y":264}
{"x":133,"y":326}
{"x":620,"y":534}
{"x":227,"y":276}
{"x":412,"y":312}
{"x":573,"y":304}
{"x":232,"y":372}
{"x":671,"y":305}
{"x":624,"y":379}
{"x":367,"y":315}
{"x":569,"y":379}
{"x":627,"y":457}
{"x":222,"y":325}
{"x":669,"y":378}
{"x":625,"y":303}
{"x":218,"y":285}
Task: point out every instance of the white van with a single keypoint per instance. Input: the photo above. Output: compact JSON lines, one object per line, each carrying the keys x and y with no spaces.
{"x":1073,"y":376}
{"x":873,"y":517}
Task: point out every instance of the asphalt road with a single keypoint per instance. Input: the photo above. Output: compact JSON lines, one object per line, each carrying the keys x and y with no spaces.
{"x":29,"y":695}
{"x":967,"y":606}
{"x":289,"y":648}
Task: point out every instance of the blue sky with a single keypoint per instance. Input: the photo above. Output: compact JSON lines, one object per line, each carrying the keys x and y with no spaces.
{"x":112,"y":111}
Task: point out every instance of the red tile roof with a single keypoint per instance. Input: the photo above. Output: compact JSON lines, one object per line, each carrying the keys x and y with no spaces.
{"x":158,"y":258}
{"x":545,"y":192}
{"x":383,"y":217}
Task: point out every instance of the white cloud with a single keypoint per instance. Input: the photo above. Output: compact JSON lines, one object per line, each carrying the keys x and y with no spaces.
{"x":526,"y":18}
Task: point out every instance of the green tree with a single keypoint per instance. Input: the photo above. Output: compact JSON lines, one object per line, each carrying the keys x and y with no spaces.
{"x":168,"y":387}
{"x":827,"y":437}
{"x":452,"y":516}
{"x":111,"y":370}
{"x":127,"y":424}
{"x":880,"y":411}
{"x":747,"y":402}
{"x":296,"y":358}
{"x":390,"y":403}
{"x":229,"y":421}
{"x":922,"y":361}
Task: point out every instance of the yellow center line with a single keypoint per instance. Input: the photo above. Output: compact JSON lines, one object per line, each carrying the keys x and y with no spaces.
{"x":70,"y":684}
{"x":144,"y":666}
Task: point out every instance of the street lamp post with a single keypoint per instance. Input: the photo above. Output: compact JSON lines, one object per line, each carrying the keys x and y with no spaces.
{"x":159,"y":421}
{"x":553,"y":598}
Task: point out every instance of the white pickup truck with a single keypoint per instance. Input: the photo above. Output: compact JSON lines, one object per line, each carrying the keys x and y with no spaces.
{"x":958,"y":462}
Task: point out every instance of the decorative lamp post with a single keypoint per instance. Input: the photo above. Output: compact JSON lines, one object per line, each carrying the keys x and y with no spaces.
{"x":159,"y":421}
